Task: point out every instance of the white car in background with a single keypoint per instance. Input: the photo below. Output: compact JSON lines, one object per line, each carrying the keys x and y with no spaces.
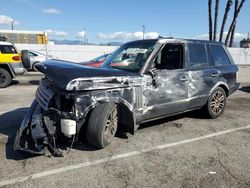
{"x":37,"y":57}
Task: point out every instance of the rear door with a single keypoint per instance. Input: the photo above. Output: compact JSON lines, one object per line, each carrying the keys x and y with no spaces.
{"x":202,"y":73}
{"x":223,"y":64}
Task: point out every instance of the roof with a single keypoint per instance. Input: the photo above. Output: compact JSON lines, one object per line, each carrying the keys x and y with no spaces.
{"x":5,"y":43}
{"x":23,"y":32}
{"x":163,"y":40}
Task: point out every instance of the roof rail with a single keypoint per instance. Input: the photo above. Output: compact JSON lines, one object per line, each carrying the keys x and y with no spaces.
{"x":162,"y":37}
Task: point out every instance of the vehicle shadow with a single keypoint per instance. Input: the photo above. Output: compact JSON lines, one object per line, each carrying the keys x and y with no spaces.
{"x":34,"y":82}
{"x":9,"y":124}
{"x":25,"y":83}
{"x":196,"y":114}
{"x":14,"y":82}
{"x":11,"y":121}
{"x":245,"y":89}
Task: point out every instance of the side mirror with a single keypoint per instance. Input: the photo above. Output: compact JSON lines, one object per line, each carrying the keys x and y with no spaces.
{"x":25,"y":59}
{"x":152,"y":72}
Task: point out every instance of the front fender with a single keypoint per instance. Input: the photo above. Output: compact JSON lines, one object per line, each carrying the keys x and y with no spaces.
{"x":126,"y":110}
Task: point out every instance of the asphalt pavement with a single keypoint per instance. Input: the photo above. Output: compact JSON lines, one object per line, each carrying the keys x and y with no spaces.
{"x":182,"y":151}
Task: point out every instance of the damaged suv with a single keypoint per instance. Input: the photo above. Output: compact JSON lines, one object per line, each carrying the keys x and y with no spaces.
{"x":141,"y":81}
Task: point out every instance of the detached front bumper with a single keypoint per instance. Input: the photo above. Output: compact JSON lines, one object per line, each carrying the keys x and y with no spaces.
{"x":24,"y":140}
{"x":35,"y":136}
{"x":46,"y":121}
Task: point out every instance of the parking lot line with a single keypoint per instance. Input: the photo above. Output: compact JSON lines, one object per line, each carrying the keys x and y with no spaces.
{"x":115,"y":157}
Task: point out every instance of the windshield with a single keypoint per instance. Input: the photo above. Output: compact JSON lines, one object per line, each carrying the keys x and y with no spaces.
{"x":100,"y":58}
{"x":131,"y":56}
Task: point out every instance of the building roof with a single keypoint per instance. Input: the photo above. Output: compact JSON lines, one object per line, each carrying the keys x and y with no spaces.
{"x":5,"y":43}
{"x":23,"y":32}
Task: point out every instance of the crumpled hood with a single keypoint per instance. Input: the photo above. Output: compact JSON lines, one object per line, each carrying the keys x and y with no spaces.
{"x":70,"y":76}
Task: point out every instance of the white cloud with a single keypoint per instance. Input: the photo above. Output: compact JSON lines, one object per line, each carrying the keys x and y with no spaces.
{"x":81,"y":34}
{"x":128,"y":36}
{"x":52,"y":11}
{"x":56,"y":33}
{"x":6,"y":20}
{"x":151,"y":35}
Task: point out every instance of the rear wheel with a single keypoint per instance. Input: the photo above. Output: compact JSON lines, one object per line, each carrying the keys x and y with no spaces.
{"x":26,"y":59}
{"x":33,"y":66}
{"x":5,"y":78}
{"x":216,"y":103}
{"x":102,"y":126}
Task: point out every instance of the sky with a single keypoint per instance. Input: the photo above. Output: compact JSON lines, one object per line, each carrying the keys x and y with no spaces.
{"x":116,"y":20}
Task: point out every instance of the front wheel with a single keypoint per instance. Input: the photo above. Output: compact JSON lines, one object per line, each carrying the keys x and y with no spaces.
{"x":5,"y":78}
{"x":102,"y":126}
{"x":216,"y":103}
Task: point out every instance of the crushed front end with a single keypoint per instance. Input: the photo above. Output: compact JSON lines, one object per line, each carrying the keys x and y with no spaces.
{"x":50,"y":116}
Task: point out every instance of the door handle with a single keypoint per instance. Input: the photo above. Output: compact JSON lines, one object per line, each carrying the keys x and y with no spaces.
{"x":184,"y":79}
{"x":215,"y":74}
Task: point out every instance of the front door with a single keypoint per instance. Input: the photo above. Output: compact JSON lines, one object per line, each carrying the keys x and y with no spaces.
{"x":166,"y":88}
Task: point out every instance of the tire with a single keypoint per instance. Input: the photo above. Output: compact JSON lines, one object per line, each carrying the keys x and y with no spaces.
{"x":102,"y":126}
{"x":33,"y":66}
{"x":5,"y":78}
{"x":216,"y":103}
{"x":26,"y":59}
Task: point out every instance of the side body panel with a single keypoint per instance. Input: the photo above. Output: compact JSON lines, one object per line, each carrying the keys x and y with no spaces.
{"x":165,"y":94}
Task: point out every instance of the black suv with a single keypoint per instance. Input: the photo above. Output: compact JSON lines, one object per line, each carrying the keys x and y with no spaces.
{"x":141,"y":81}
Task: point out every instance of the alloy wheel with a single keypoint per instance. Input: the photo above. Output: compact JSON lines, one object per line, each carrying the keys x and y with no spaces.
{"x":111,"y":125}
{"x":218,"y":102}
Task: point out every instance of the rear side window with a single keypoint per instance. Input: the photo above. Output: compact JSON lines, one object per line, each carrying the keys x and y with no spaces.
{"x":197,"y":55}
{"x":32,"y":54}
{"x":7,"y":49}
{"x":219,"y":55}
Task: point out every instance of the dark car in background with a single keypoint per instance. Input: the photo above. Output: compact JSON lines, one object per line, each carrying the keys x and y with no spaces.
{"x":164,"y":77}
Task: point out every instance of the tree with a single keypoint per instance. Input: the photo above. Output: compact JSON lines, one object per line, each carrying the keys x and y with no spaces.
{"x":210,"y":19}
{"x":215,"y":19}
{"x":245,"y":43}
{"x":233,"y":31}
{"x":234,"y":21}
{"x":227,"y":9}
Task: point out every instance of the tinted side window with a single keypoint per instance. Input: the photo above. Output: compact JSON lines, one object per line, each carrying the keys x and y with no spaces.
{"x":197,"y":55}
{"x":32,"y":54}
{"x":219,"y":55}
{"x":170,"y":57}
{"x":7,"y":49}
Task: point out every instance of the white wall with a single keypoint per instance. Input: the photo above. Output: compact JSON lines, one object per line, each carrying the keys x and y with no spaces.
{"x":243,"y":76}
{"x":78,"y":53}
{"x":75,"y":53}
{"x":241,"y":56}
